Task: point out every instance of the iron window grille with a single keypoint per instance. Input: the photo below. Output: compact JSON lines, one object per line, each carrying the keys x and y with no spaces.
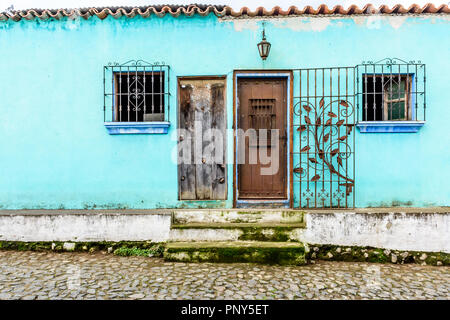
{"x":262,"y":116}
{"x":136,"y":91}
{"x":391,"y":90}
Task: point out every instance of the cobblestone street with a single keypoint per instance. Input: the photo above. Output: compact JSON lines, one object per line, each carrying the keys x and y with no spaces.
{"x":46,"y":275}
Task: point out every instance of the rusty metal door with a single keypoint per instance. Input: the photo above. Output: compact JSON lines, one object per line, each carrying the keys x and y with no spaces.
{"x":324,"y":139}
{"x":262,"y":110}
{"x":202,"y":139}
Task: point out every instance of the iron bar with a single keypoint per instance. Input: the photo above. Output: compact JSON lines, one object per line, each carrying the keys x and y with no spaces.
{"x":331,"y":136}
{"x":144,"y":76}
{"x":399,"y":88}
{"x":408,"y":107}
{"x":300,"y":138}
{"x":128,"y":87}
{"x":382,"y":95}
{"x":308,"y":190}
{"x":339,"y":131}
{"x":160,"y":90}
{"x":374,"y":96}
{"x":113,"y":97}
{"x":153,"y":90}
{"x":119,"y":98}
{"x":346,"y":131}
{"x":323,"y":142}
{"x":390,"y":94}
{"x":354,"y":138}
{"x":136,"y":106}
{"x":424,"y":97}
{"x":415,"y":89}
{"x":315,"y":144}
{"x":104,"y":95}
{"x":168,"y":94}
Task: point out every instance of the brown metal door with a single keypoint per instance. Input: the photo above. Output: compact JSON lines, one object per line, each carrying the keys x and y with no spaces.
{"x":262,"y":105}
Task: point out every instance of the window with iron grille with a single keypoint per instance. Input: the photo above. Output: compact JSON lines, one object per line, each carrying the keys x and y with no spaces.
{"x":391,"y":90}
{"x":136,"y":91}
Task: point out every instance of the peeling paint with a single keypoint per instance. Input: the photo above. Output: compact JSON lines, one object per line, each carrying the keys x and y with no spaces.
{"x":321,"y":23}
{"x":397,"y":21}
{"x":308,"y":24}
{"x":440,"y":18}
{"x":240,"y":25}
{"x":292,"y":23}
{"x":377,"y":21}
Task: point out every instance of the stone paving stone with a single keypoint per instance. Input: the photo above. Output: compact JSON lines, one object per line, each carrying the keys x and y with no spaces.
{"x":42,"y":275}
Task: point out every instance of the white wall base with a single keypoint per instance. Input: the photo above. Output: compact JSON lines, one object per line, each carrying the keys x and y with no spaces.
{"x":412,"y":231}
{"x":90,"y":226}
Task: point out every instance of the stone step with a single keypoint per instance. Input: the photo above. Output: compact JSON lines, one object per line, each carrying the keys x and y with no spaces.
{"x":237,"y":216}
{"x":237,"y":231}
{"x":284,"y":253}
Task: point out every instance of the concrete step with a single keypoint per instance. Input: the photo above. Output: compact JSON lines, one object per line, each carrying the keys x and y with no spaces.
{"x":237,"y":231}
{"x":237,"y":216}
{"x":284,"y":253}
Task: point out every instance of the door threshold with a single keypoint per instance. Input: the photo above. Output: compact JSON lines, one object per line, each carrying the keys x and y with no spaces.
{"x":260,"y":203}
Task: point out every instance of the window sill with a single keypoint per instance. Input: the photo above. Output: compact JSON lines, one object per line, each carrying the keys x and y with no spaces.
{"x":389,"y":126}
{"x":154,"y":127}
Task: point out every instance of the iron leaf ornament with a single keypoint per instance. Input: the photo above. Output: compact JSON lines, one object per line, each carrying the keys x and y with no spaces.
{"x":327,"y":140}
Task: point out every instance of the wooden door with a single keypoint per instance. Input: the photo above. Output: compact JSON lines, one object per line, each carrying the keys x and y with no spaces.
{"x":202,"y":139}
{"x":262,"y":105}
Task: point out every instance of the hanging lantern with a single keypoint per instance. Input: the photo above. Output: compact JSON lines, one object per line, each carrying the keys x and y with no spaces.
{"x":264,"y":46}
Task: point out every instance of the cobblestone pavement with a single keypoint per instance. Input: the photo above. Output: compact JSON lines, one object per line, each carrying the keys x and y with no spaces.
{"x":42,"y":275}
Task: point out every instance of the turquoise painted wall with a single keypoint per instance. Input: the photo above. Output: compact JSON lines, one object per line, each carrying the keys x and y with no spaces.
{"x":56,"y":153}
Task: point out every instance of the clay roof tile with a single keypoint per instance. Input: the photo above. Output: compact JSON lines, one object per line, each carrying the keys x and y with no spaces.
{"x":218,"y":10}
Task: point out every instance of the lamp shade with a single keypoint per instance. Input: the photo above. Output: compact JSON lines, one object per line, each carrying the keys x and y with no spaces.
{"x":264,"y":47}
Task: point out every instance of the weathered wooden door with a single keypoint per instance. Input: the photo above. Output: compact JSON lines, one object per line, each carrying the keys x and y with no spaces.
{"x":202,"y":139}
{"x":262,"y":105}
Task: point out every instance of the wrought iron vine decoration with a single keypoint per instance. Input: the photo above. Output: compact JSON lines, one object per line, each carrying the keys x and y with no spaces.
{"x":322,"y":131}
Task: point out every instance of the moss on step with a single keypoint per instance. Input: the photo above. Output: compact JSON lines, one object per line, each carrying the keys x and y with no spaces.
{"x":266,"y":234}
{"x":250,"y":212}
{"x":378,"y":255}
{"x":294,"y":216}
{"x":237,"y":251}
{"x":94,"y":246}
